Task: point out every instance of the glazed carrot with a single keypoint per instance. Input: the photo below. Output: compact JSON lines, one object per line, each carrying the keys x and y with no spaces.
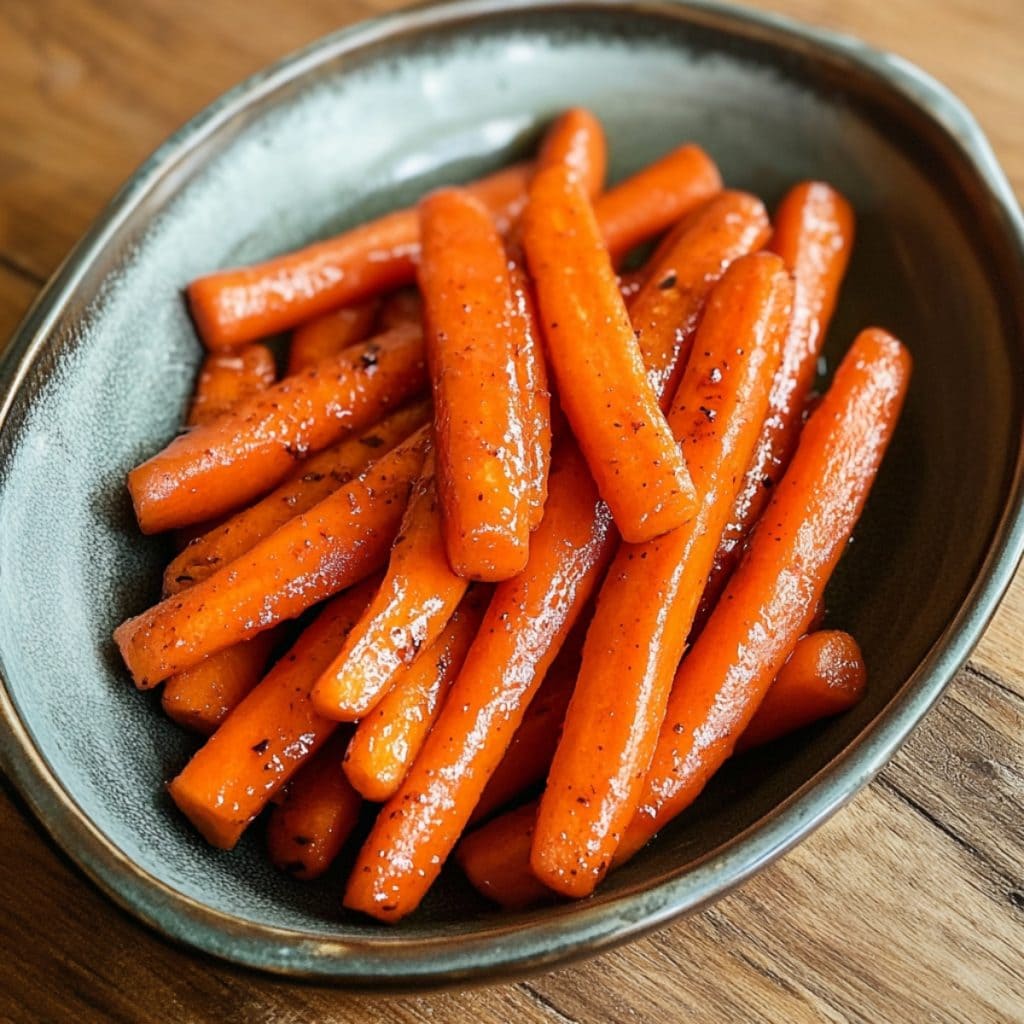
{"x":630,"y":284}
{"x":309,"y":827}
{"x":775,"y":591}
{"x":813,"y":235}
{"x":329,"y":334}
{"x":576,"y":141}
{"x":335,"y":544}
{"x":522,"y":630}
{"x":647,"y":602}
{"x":402,"y":307}
{"x":410,"y":611}
{"x":200,"y":698}
{"x":389,"y":739}
{"x":824,"y":676}
{"x":309,"y":483}
{"x":265,"y":740}
{"x":214,"y":469}
{"x":598,"y":365}
{"x":228,"y":378}
{"x":231,"y":307}
{"x":478,"y":426}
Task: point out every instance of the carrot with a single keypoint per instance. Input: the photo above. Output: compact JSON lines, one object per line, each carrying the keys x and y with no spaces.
{"x":309,"y":483}
{"x":265,"y":740}
{"x":648,"y":600}
{"x":597,"y":363}
{"x":410,"y":611}
{"x":214,"y":469}
{"x":522,"y":630}
{"x":630,"y":284}
{"x":775,"y":591}
{"x":813,"y":235}
{"x":231,"y":307}
{"x":389,"y":739}
{"x":402,"y":307}
{"x":478,"y":427}
{"x":576,"y":141}
{"x":200,"y":698}
{"x":228,"y":378}
{"x":823,"y":676}
{"x":319,"y":812}
{"x":329,"y":334}
{"x":313,"y":556}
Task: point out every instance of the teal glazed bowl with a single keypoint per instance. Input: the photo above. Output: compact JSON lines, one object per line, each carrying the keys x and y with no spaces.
{"x":99,"y":373}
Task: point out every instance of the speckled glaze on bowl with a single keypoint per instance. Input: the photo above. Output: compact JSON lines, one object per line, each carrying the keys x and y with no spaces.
{"x":99,"y":372}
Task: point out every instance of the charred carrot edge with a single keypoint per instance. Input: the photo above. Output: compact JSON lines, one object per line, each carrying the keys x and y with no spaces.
{"x":576,"y":140}
{"x":243,"y":454}
{"x":334,"y":545}
{"x":597,"y":363}
{"x":814,"y":229}
{"x":478,"y":425}
{"x":824,"y":676}
{"x":329,"y":334}
{"x":265,"y":740}
{"x":522,"y":630}
{"x":410,"y":611}
{"x":646,"y":605}
{"x":389,"y":738}
{"x":309,"y":483}
{"x":227,"y":379}
{"x":320,"y":810}
{"x":402,"y":307}
{"x":775,"y":591}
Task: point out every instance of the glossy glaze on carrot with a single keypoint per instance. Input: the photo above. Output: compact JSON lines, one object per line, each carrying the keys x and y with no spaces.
{"x":576,"y":140}
{"x":329,"y":334}
{"x":228,"y":378}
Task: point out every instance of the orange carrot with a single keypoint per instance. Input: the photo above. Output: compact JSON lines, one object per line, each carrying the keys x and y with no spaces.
{"x":775,"y":591}
{"x":214,"y":469}
{"x":332,"y":546}
{"x":320,"y":810}
{"x":329,"y":334}
{"x":824,"y":676}
{"x":523,"y":629}
{"x":402,"y":307}
{"x":576,"y":141}
{"x":231,"y":307}
{"x":265,"y":740}
{"x":309,"y":483}
{"x":648,"y":600}
{"x":389,"y":739}
{"x":630,"y":284}
{"x":611,"y":407}
{"x":418,"y":597}
{"x":227,"y":379}
{"x":478,"y":427}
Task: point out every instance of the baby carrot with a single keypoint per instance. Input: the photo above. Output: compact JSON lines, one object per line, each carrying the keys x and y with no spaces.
{"x":576,"y":141}
{"x":332,"y":546}
{"x":402,"y":307}
{"x":231,"y":307}
{"x":320,"y":809}
{"x":646,"y":605}
{"x":213,"y":469}
{"x":274,"y":731}
{"x":329,"y":334}
{"x":522,"y":630}
{"x":227,"y":379}
{"x":478,"y":426}
{"x":598,"y":365}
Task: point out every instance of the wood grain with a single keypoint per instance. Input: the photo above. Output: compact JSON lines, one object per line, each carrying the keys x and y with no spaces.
{"x":907,"y":907}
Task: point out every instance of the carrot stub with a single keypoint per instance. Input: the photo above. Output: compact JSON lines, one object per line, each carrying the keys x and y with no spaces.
{"x":329,"y":334}
{"x":227,"y":379}
{"x":575,"y":140}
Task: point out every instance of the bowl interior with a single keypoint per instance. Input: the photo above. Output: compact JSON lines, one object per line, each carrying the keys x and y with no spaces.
{"x":357,"y":134}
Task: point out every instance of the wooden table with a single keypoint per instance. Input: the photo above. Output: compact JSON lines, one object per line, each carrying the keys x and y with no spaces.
{"x":907,"y":907}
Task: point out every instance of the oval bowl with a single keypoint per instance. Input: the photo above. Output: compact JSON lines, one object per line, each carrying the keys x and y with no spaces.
{"x":98,"y":375}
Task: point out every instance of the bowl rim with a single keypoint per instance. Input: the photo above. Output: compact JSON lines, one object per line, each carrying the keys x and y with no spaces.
{"x":514,"y":949}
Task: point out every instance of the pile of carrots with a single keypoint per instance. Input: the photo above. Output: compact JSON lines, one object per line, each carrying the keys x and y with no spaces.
{"x":556,"y":534}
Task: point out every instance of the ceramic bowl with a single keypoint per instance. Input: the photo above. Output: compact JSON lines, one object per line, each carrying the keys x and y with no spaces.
{"x":98,"y":375}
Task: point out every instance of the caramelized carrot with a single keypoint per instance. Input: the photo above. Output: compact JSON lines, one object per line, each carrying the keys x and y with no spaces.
{"x":522,"y":630}
{"x":630,"y":284}
{"x":478,"y":426}
{"x":231,"y":307}
{"x":647,"y":602}
{"x":329,"y":334}
{"x":402,"y":307}
{"x":227,"y":379}
{"x":309,"y":483}
{"x":319,"y":811}
{"x":389,"y":739}
{"x":775,"y":591}
{"x":265,"y":740}
{"x":576,"y":141}
{"x":824,"y":676}
{"x":214,"y":469}
{"x":332,"y":546}
{"x":611,"y":407}
{"x":418,"y":597}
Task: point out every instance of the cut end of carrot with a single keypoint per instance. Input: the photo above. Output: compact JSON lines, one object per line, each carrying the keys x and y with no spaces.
{"x":216,"y":829}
